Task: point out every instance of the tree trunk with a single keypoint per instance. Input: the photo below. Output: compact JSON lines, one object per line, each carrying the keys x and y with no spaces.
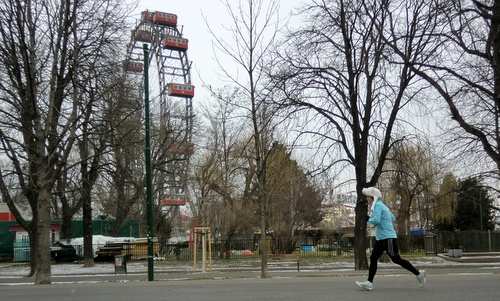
{"x":123,"y":204}
{"x":263,"y":241}
{"x":87,"y":231}
{"x":67,"y":217}
{"x":33,"y":241}
{"x":495,"y":28}
{"x":360,"y":244}
{"x":119,"y":220}
{"x":33,"y":246}
{"x":42,"y":256}
{"x":226,"y":249}
{"x":226,"y":246}
{"x":67,"y":211}
{"x":404,"y":214}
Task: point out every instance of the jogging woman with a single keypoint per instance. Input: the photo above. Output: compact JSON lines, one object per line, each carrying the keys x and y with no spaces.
{"x":385,"y":239}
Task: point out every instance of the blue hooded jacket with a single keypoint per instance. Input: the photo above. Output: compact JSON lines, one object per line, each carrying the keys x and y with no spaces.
{"x":382,"y":218}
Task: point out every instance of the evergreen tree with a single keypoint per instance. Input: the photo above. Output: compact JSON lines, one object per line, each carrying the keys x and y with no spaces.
{"x":473,"y":211}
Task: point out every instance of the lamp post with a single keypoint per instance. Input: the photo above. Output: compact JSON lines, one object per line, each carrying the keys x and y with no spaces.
{"x":147,"y":158}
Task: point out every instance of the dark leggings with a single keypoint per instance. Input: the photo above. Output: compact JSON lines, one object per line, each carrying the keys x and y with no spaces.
{"x":391,"y":247}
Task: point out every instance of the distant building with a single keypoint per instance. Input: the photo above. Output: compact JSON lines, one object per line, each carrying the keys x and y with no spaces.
{"x":339,"y":211}
{"x":22,"y":235}
{"x":5,"y":214}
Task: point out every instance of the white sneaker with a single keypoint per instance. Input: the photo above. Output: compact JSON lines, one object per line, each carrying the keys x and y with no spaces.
{"x":365,"y":285}
{"x":421,"y":279}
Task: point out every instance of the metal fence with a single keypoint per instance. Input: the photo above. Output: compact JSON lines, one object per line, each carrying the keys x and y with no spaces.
{"x":250,"y":248}
{"x":469,"y":241}
{"x":220,"y":249}
{"x":22,"y":251}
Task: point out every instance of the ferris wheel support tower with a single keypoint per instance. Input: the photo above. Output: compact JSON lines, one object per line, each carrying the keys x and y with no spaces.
{"x":168,"y":50}
{"x":157,"y":37}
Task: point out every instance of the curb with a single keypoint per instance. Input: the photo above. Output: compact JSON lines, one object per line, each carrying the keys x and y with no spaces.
{"x":304,"y":269}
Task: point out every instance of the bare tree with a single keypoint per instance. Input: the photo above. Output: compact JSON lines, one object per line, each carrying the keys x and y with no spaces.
{"x":98,"y":62}
{"x":464,"y":68}
{"x":123,"y":180}
{"x":253,"y":30}
{"x":29,"y":54}
{"x":66,"y":201}
{"x":295,"y":201}
{"x":338,"y":72}
{"x":44,"y":44}
{"x":225,"y":175}
{"x":223,"y":169}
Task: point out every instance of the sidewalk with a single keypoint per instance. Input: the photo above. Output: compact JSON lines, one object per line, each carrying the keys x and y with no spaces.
{"x":250,"y":267}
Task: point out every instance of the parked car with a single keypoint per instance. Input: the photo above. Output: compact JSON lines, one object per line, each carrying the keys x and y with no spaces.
{"x":60,"y":252}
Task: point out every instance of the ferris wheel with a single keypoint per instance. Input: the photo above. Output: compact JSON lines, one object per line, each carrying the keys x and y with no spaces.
{"x":168,"y":51}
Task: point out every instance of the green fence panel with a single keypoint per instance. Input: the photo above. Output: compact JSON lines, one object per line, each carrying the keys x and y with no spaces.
{"x":22,"y":251}
{"x":6,"y":240}
{"x":105,"y":227}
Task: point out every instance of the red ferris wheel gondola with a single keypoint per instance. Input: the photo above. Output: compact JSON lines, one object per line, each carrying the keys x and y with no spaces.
{"x":159,"y":18}
{"x":181,"y":90}
{"x":175,"y":43}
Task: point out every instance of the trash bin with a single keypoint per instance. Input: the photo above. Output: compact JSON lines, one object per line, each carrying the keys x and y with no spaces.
{"x":120,"y":264}
{"x":430,"y":244}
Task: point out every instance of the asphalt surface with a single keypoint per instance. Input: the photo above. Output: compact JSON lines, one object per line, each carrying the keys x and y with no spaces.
{"x":455,"y":286}
{"x":6,"y":280}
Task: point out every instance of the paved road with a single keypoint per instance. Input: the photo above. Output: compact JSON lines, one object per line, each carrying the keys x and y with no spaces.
{"x":217,"y":275}
{"x":444,"y":286}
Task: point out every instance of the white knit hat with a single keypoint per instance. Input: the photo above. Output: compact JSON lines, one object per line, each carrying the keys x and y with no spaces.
{"x":373,"y":192}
